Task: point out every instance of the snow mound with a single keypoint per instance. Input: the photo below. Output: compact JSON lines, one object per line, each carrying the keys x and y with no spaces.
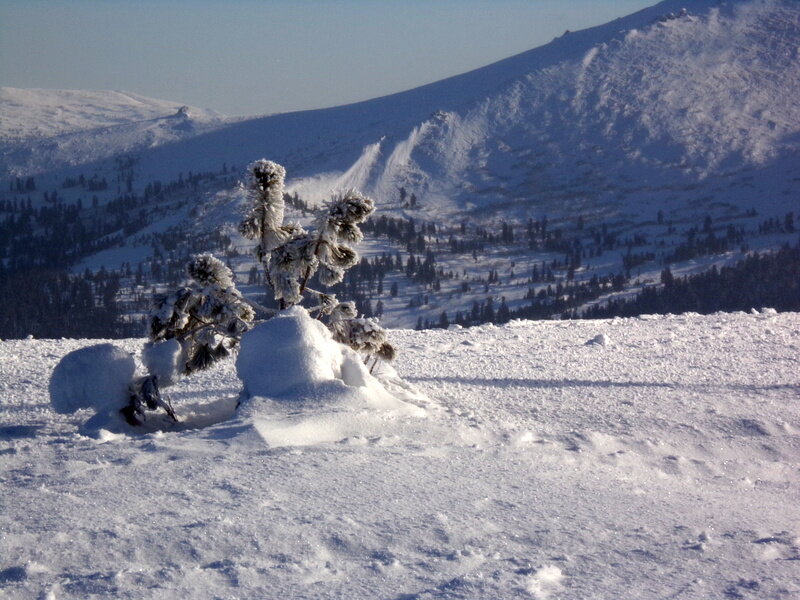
{"x":163,"y":359}
{"x":93,"y":377}
{"x":288,"y":352}
{"x":545,"y":581}
{"x":302,"y":387}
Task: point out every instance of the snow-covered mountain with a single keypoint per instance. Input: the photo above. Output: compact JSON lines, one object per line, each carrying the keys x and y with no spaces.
{"x":660,"y":461}
{"x":654,"y":102}
{"x":28,"y":113}
{"x":612,"y":151}
{"x":664,"y":98}
{"x":41,"y":130}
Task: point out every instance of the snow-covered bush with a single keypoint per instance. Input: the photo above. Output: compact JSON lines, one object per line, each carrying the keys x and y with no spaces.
{"x":195,"y":326}
{"x":102,"y":377}
{"x":206,"y":318}
{"x":365,"y":336}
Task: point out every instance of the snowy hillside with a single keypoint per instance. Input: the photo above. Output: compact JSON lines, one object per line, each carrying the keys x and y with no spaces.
{"x":597,"y":114}
{"x":649,"y":104}
{"x":26,"y":113}
{"x":638,"y":458}
{"x":47,"y":129}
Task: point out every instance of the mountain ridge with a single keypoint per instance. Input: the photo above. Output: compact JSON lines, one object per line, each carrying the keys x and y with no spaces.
{"x":477,"y":102}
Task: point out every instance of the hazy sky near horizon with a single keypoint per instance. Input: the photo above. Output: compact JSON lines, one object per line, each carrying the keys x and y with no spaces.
{"x":249,"y":57}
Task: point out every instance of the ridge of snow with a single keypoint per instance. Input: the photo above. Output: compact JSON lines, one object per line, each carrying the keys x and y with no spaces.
{"x":42,"y":130}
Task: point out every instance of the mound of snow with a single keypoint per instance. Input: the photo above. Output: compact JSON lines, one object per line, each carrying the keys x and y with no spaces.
{"x":93,"y":377}
{"x":163,"y":359}
{"x":302,"y":387}
{"x":286,"y":354}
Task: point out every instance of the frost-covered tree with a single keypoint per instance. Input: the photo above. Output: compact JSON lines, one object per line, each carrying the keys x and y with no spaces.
{"x":203,"y":322}
{"x":292,"y":256}
{"x":364,"y":335}
{"x":190,"y":329}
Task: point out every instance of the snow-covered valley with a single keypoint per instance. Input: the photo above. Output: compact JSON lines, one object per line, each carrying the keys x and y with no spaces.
{"x":660,"y":461}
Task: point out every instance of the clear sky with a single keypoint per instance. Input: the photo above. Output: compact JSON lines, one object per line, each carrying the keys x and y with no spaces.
{"x":248,"y":57}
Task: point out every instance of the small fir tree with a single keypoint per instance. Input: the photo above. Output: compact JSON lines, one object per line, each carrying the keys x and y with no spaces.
{"x":197,"y":325}
{"x":292,"y":256}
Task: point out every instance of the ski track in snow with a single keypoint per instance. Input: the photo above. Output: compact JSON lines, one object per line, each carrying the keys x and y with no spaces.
{"x":660,"y":461}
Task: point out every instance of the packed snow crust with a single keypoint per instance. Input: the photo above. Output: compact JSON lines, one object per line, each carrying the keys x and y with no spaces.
{"x":666,"y":464}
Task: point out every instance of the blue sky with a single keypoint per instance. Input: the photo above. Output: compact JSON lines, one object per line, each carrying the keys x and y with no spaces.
{"x":247,"y":57}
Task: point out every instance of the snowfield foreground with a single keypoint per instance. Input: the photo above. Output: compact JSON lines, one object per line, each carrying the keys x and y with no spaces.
{"x":660,"y":461}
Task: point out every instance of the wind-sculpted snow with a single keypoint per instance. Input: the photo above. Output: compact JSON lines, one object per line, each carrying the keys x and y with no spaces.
{"x":659,"y":461}
{"x":92,"y":377}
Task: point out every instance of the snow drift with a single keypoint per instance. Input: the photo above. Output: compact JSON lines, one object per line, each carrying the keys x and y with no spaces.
{"x":92,"y":377}
{"x":301,"y":387}
{"x":665,"y":463}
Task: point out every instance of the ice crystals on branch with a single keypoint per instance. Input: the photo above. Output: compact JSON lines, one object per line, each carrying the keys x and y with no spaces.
{"x":290,"y":255}
{"x":207,"y":318}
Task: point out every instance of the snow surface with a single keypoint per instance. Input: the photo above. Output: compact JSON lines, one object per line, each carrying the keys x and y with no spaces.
{"x":664,"y":464}
{"x":300,"y":386}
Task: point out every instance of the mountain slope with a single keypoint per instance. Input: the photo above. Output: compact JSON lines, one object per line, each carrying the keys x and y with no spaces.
{"x":659,"y":96}
{"x":26,"y":113}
